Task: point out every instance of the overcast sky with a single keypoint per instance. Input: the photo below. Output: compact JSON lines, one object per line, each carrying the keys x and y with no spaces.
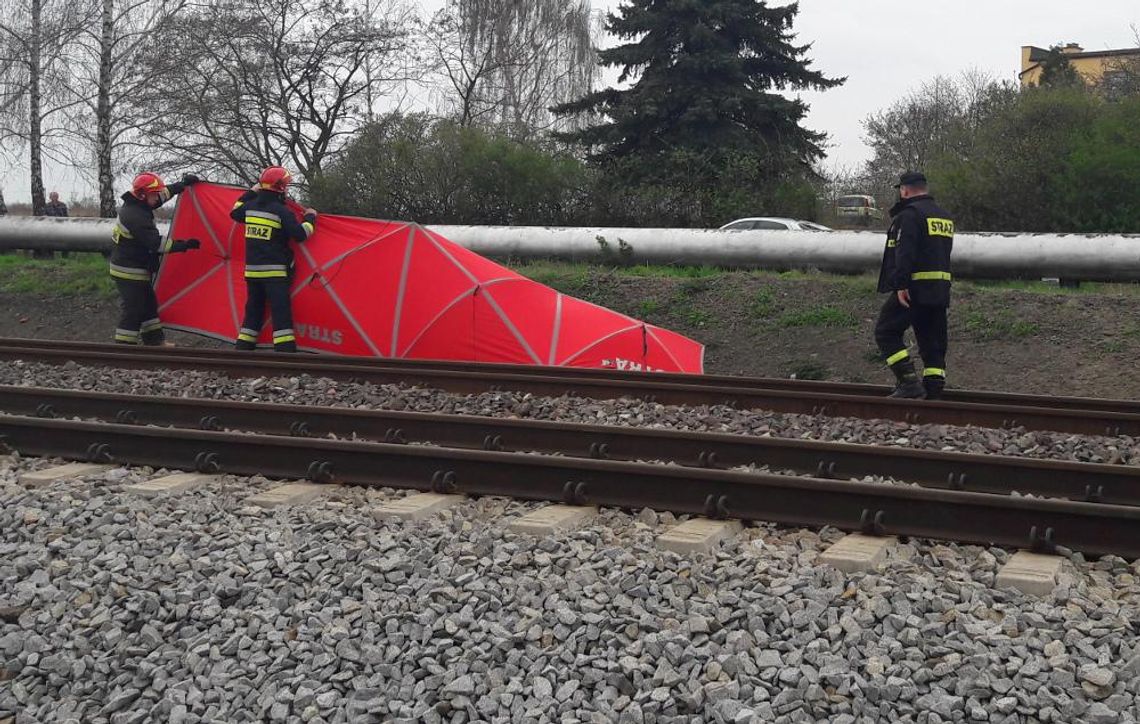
{"x":884,"y":47}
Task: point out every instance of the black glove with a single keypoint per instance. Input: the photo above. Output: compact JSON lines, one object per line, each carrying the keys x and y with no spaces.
{"x":189,"y":179}
{"x":187,"y":245}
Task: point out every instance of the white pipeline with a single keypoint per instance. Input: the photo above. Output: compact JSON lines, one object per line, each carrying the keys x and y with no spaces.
{"x":1093,"y":257}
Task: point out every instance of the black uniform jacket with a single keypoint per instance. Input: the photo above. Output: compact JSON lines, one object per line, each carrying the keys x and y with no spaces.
{"x":269,"y":226}
{"x":917,"y":255}
{"x":138,"y":242}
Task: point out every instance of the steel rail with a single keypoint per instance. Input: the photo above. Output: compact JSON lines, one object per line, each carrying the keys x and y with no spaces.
{"x":1087,"y":404}
{"x":1092,"y":482}
{"x":467,"y":381}
{"x":1093,"y":528}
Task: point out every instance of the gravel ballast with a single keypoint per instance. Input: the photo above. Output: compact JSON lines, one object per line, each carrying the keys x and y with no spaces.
{"x":196,"y":608}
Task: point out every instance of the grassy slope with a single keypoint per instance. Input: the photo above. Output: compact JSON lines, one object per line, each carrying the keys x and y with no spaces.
{"x":1012,"y":335}
{"x":78,"y":274}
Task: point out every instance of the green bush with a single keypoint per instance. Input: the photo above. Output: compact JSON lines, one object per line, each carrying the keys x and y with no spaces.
{"x":419,"y":168}
{"x":1004,"y":176}
{"x":1098,"y":191}
{"x":1060,"y":159}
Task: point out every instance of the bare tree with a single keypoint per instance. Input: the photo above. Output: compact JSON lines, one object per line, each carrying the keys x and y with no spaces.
{"x":36,"y":87}
{"x":929,"y":122}
{"x":1122,"y":74}
{"x":469,"y":70}
{"x":277,"y":81}
{"x":506,"y":62}
{"x":113,"y":69}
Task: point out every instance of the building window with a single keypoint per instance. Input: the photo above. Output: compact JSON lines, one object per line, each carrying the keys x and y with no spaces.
{"x":1118,"y":83}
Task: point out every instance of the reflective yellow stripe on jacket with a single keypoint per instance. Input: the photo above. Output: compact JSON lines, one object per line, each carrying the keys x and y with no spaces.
{"x":931,"y":276}
{"x":133,"y":274}
{"x":266,"y":271}
{"x":120,"y":232}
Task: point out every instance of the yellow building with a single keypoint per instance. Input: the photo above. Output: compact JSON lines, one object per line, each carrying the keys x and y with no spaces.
{"x":1095,"y":66}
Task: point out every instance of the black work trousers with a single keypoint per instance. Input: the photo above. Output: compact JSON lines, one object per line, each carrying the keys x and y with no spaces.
{"x":929,"y":323}
{"x":275,"y":293}
{"x":138,"y":321}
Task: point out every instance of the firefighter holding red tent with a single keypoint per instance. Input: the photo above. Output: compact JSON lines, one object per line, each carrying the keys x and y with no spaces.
{"x":137,"y":255}
{"x":269,"y":227}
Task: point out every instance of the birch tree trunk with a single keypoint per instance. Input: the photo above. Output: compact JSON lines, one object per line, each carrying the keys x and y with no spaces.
{"x":103,"y":146}
{"x":35,"y":117}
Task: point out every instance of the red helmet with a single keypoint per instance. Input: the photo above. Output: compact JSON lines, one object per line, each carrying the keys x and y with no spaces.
{"x":275,"y":178}
{"x":147,"y":182}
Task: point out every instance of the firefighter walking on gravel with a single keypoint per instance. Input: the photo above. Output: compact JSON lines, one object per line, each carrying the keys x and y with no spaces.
{"x":269,"y":227}
{"x":916,"y":274}
{"x":136,"y":256}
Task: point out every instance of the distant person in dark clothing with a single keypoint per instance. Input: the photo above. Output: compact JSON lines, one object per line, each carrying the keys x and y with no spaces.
{"x":3,"y":206}
{"x":57,"y":208}
{"x":54,"y":206}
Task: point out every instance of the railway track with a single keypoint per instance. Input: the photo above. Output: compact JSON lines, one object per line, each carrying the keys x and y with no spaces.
{"x":1107,"y":524}
{"x":984,"y":409}
{"x":1116,"y":484}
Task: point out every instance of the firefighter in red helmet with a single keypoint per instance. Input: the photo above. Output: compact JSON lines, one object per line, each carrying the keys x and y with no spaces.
{"x":269,"y":227}
{"x":137,"y":254}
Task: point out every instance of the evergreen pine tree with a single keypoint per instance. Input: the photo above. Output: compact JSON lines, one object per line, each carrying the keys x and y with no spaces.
{"x":705,"y":106}
{"x":1056,"y":70}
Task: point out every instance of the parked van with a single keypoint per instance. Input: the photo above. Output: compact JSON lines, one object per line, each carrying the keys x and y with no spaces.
{"x":857,"y":207}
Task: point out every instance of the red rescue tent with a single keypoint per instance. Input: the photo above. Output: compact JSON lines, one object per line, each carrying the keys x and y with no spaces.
{"x":394,"y":289}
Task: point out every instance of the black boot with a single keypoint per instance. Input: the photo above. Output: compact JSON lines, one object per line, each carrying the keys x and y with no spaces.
{"x":934,"y":385}
{"x":908,"y":385}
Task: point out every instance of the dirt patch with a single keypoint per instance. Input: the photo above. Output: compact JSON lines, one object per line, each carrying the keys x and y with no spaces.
{"x":78,"y":317}
{"x":816,"y":327}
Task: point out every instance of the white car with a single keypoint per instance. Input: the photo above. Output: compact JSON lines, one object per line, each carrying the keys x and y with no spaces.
{"x":772,"y":223}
